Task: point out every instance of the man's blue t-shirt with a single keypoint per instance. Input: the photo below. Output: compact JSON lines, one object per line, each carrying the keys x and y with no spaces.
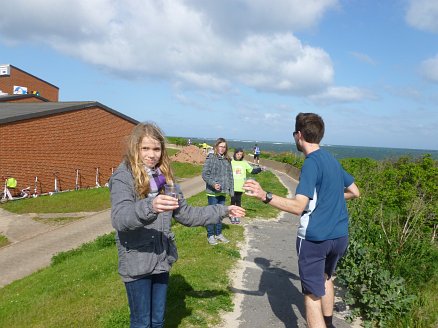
{"x":323,"y":181}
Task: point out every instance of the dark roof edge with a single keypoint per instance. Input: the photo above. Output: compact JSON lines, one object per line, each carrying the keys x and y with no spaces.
{"x":67,"y":109}
{"x":28,"y":95}
{"x":36,"y":77}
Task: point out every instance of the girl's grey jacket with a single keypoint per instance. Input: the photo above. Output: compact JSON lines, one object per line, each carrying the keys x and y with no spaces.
{"x":217,"y":169}
{"x":144,"y":239}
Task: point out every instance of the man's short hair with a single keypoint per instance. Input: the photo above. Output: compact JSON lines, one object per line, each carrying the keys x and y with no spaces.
{"x":311,"y":127}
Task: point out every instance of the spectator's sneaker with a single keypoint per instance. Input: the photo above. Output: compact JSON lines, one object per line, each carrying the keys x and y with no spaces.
{"x":222,"y":239}
{"x":236,"y":221}
{"x":232,"y":220}
{"x":212,"y":240}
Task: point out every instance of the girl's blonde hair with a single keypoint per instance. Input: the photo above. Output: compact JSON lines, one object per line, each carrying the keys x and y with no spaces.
{"x":133,"y":160}
{"x":219,"y":141}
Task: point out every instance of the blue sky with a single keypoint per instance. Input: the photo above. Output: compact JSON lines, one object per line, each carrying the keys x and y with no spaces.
{"x":241,"y":69}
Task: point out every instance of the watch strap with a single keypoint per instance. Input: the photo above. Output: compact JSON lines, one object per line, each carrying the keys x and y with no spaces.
{"x":268,"y":197}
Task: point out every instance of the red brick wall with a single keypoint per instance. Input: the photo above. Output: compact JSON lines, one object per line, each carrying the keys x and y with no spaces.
{"x":21,"y":78}
{"x":83,"y":139}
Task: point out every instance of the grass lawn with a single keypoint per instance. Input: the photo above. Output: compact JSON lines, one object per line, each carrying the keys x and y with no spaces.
{"x":82,"y":286}
{"x":3,"y":241}
{"x":185,"y":170}
{"x":85,"y":200}
{"x":83,"y":289}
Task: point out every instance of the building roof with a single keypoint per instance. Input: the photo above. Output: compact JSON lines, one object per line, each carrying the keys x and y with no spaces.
{"x":15,"y":112}
{"x":6,"y":98}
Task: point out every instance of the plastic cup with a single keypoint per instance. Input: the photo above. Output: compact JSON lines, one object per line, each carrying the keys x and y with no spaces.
{"x":171,"y":190}
{"x":249,"y":192}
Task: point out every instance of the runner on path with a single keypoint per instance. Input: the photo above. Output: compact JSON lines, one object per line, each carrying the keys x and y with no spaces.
{"x":266,"y":282}
{"x":320,"y":199}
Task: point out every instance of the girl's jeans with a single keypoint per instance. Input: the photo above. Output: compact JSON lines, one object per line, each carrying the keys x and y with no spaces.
{"x":215,"y":229}
{"x":147,"y":300}
{"x":237,"y":198}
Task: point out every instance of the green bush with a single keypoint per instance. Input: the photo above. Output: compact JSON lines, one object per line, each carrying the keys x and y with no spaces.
{"x":293,"y":159}
{"x":393,"y":254}
{"x":177,"y":141}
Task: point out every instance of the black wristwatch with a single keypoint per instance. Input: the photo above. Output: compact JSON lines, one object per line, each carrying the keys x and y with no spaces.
{"x":268,"y":197}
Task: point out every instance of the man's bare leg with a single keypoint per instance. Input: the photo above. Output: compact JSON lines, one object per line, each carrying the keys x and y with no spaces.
{"x":314,"y":315}
{"x":327,"y":302}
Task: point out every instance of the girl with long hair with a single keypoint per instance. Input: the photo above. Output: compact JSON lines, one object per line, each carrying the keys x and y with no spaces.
{"x":141,"y":215}
{"x":218,"y":178}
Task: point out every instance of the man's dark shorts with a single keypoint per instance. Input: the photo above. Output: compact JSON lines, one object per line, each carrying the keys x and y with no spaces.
{"x":316,"y":258}
{"x":256,"y":156}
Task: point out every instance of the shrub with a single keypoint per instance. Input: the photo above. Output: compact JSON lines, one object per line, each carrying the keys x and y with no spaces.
{"x":285,"y":157}
{"x":393,"y":252}
{"x":177,"y":141}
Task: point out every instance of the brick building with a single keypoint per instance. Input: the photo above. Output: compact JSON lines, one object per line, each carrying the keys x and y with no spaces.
{"x":14,"y":81}
{"x":41,"y":138}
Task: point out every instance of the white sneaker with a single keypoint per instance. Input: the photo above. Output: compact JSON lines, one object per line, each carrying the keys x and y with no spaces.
{"x":212,"y":240}
{"x":222,"y":239}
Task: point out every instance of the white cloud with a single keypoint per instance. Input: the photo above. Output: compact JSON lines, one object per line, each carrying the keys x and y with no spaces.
{"x":429,"y":69}
{"x":202,"y":80}
{"x":342,"y":94}
{"x":237,"y":18}
{"x":282,"y":64}
{"x":423,"y":15}
{"x":183,"y":41}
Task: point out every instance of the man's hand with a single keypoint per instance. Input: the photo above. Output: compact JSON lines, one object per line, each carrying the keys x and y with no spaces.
{"x":255,"y":190}
{"x":294,"y":205}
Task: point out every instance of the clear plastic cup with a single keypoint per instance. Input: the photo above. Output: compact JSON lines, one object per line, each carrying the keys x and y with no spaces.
{"x":249,"y":192}
{"x":171,"y":190}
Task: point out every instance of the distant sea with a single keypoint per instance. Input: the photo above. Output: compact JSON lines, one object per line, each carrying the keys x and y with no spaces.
{"x":378,"y":153}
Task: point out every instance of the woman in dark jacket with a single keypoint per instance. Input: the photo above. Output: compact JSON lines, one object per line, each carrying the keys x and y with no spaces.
{"x":218,"y":178}
{"x":141,"y":215}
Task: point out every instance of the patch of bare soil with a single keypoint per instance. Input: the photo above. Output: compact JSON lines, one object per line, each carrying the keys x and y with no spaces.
{"x":189,"y":154}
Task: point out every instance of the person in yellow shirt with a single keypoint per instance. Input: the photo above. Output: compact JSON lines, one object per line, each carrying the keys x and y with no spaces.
{"x":240,"y":168}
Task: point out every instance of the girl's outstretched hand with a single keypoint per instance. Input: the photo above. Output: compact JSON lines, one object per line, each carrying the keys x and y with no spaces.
{"x":236,"y":211}
{"x":163,"y":203}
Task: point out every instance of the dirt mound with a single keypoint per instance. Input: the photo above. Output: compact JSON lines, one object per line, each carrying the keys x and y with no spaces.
{"x":189,"y":154}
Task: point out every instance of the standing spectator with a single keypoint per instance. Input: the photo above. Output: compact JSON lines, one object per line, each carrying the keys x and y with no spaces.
{"x":256,"y":150}
{"x":204,"y":148}
{"x":142,"y":215}
{"x":320,"y":200}
{"x":240,"y":168}
{"x":218,"y":178}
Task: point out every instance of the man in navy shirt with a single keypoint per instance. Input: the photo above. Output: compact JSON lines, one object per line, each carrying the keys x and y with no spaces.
{"x":320,"y":202}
